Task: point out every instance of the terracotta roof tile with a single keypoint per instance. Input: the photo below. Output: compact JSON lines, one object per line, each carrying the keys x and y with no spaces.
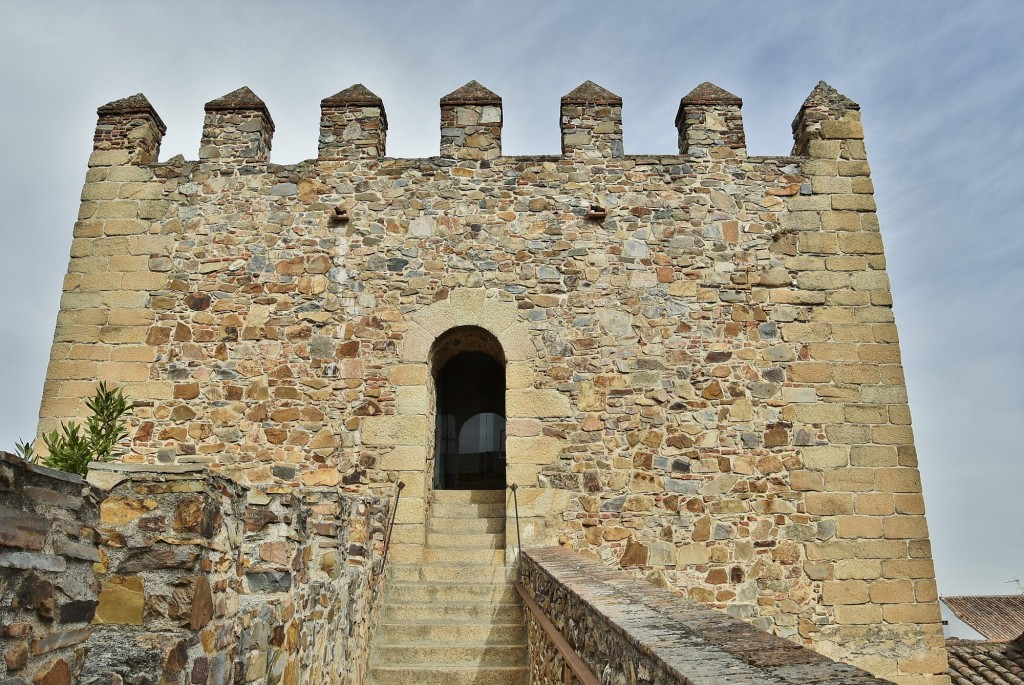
{"x":985,"y":663}
{"x":999,"y":618}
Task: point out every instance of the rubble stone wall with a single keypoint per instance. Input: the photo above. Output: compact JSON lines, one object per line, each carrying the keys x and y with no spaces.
{"x":703,"y":373}
{"x":48,"y":544}
{"x":193,"y":578}
{"x":632,"y":632}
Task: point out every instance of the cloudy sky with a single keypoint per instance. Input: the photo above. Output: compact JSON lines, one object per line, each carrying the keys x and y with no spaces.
{"x":941,"y":86}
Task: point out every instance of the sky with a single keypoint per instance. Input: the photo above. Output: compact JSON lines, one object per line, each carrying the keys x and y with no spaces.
{"x":941,"y":86}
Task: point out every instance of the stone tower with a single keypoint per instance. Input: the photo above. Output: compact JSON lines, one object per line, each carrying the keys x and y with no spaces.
{"x":687,"y":362}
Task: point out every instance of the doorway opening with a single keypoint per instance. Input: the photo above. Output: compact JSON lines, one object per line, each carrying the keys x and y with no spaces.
{"x":469,"y":437}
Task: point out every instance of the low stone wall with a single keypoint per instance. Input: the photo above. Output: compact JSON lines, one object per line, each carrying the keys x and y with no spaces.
{"x":47,"y":548}
{"x":632,"y":632}
{"x":193,"y":578}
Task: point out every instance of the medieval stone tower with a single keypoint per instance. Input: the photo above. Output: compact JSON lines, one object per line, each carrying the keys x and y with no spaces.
{"x":686,"y":362}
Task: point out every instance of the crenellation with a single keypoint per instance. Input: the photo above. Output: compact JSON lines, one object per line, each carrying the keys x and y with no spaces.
{"x":130,"y":125}
{"x":353,"y":125}
{"x":591,"y":122}
{"x":471,"y":120}
{"x":710,"y":123}
{"x":237,"y":127}
{"x":703,"y":380}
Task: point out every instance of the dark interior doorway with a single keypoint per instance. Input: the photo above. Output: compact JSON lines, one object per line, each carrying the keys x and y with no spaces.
{"x":470,"y":430}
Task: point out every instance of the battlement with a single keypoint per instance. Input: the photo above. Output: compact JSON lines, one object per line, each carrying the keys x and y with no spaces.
{"x":687,"y":364}
{"x":353,"y":125}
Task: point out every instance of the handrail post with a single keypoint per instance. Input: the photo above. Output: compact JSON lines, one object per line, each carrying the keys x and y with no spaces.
{"x":391,"y":526}
{"x":519,"y":536}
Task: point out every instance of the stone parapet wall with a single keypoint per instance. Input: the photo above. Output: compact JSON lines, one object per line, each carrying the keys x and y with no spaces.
{"x":190,"y":578}
{"x":48,"y":544}
{"x":632,"y":632}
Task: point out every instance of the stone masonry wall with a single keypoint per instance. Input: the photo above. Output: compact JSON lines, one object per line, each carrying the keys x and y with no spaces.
{"x":629,"y":632}
{"x":704,"y":384}
{"x":196,"y":580}
{"x":48,"y":543}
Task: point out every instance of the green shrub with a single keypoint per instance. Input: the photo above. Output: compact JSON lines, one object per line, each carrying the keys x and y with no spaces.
{"x":25,"y":450}
{"x":72,"y":448}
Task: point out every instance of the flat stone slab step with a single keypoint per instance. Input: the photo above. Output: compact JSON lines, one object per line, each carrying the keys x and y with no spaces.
{"x":412,"y":674}
{"x":507,"y":612}
{"x":465,"y":540}
{"x":451,"y":655}
{"x":452,"y":633}
{"x":468,"y":510}
{"x":466,"y":524}
{"x":469,"y":496}
{"x":404,"y":593}
{"x":464,"y":556}
{"x":476,"y":573}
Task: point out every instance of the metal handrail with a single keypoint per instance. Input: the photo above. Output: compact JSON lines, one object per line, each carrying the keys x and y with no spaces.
{"x":572,"y":662}
{"x":519,"y":535}
{"x":391,"y":525}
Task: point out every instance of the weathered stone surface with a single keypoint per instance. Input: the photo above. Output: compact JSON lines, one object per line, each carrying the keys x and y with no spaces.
{"x":78,"y":611}
{"x":16,"y":657}
{"x":118,"y":509}
{"x":59,"y":640}
{"x":76,"y":550}
{"x":272,"y":581}
{"x":158,"y":557}
{"x":121,"y":600}
{"x":394,"y":430}
{"x":32,"y":560}
{"x":537,"y":403}
{"x":35,"y":594}
{"x":56,"y":672}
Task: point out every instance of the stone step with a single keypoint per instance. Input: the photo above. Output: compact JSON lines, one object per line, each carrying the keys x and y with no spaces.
{"x":469,"y":496}
{"x":459,"y":654}
{"x":463,"y":556}
{"x":501,"y":612}
{"x":468,"y":510}
{"x":481,"y":573}
{"x":452,"y":633}
{"x":411,"y":593}
{"x":465,"y":524}
{"x":481,"y":541}
{"x":412,"y":674}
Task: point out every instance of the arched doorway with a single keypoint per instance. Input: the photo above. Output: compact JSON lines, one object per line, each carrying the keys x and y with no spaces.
{"x":468,"y":366}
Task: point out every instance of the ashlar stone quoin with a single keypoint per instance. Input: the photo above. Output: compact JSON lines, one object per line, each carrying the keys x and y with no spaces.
{"x":702,"y":374}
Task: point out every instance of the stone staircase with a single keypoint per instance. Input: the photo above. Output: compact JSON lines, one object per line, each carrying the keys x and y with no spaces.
{"x":456,"y":619}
